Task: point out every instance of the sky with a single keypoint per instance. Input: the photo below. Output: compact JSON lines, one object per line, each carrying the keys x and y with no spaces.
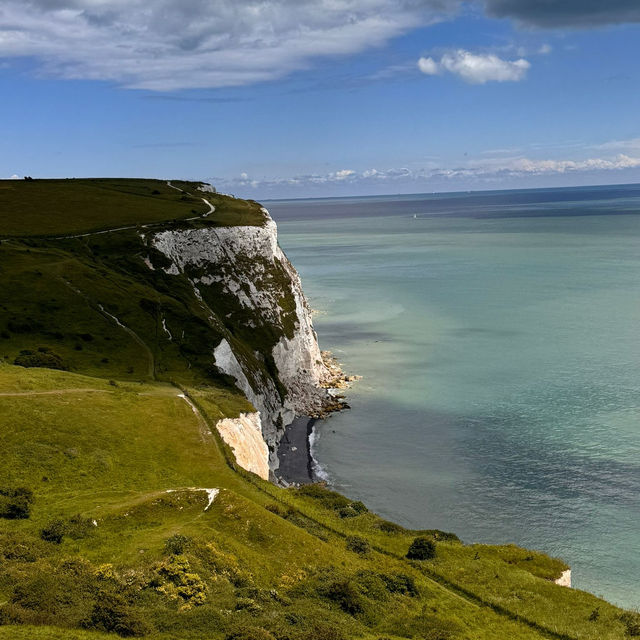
{"x":313,"y":98}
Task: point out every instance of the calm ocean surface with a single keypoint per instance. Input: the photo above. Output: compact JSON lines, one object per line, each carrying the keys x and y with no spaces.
{"x":498,"y":334}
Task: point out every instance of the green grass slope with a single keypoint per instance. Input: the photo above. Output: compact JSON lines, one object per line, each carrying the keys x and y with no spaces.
{"x":101,"y":303}
{"x":119,"y":472}
{"x":107,"y":471}
{"x":74,"y":206}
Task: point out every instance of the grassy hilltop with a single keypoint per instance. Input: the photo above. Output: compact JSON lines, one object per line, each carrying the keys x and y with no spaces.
{"x":109,"y":447}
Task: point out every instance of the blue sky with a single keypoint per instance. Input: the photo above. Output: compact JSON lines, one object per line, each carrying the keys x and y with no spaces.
{"x":284,"y":98}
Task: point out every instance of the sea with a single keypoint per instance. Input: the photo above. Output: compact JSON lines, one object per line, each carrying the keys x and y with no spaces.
{"x":497,"y":334}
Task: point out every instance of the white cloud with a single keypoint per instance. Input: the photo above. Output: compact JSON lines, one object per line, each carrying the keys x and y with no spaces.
{"x":545,"y":49}
{"x":631,"y":144}
{"x":429,"y":66}
{"x":15,"y":176}
{"x":483,"y":170}
{"x":178,"y":44}
{"x":476,"y":68}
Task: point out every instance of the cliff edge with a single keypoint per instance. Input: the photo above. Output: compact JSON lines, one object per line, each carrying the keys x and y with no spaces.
{"x":164,"y":280}
{"x":284,"y":375}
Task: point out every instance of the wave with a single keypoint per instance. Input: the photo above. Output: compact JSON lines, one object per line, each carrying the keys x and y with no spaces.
{"x":318,"y":471}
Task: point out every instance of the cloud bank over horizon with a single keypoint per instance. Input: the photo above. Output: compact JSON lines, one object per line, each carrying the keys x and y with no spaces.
{"x":481,"y":173}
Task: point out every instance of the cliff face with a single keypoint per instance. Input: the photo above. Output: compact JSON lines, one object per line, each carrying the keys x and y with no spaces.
{"x":272,"y":352}
{"x":171,"y":282}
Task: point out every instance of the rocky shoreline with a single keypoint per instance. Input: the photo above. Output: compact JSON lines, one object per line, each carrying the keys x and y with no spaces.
{"x":296,"y":464}
{"x":334,"y":383}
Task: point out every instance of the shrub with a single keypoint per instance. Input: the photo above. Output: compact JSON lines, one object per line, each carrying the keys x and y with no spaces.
{"x":16,"y":546}
{"x":438,"y":535}
{"x":631,"y":621}
{"x":15,"y":504}
{"x":324,"y":631}
{"x":276,"y":509}
{"x":250,"y":633}
{"x":327,"y":498}
{"x":177,"y":544}
{"x":78,"y":527}
{"x":359,"y":507}
{"x":390,"y":527}
{"x":426,"y":626}
{"x":422,"y":549}
{"x":347,"y":512}
{"x":54,"y":531}
{"x":372,"y":585}
{"x":248,"y":604}
{"x":346,"y":595}
{"x":112,"y":613}
{"x":179,"y":582}
{"x":358,"y":545}
{"x":402,"y":584}
{"x":43,"y":358}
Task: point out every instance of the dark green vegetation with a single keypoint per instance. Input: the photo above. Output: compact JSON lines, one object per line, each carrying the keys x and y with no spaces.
{"x":73,"y":206}
{"x":65,"y":299}
{"x":108,"y":529}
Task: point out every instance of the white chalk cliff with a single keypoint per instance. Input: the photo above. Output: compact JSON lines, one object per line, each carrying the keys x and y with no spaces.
{"x":244,"y":265}
{"x":244,"y":435}
{"x":565,"y":579}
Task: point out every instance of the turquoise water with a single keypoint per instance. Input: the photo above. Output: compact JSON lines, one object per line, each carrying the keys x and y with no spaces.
{"x":501,"y":364}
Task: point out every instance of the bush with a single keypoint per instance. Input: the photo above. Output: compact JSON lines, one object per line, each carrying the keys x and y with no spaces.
{"x":324,"y":631}
{"x":631,"y":621}
{"x":358,"y":545}
{"x":250,"y":633}
{"x":352,"y":510}
{"x":327,"y":498}
{"x":78,"y":527}
{"x":390,"y":527}
{"x":371,"y":585}
{"x":276,"y":509}
{"x":177,"y":544}
{"x":179,"y":582}
{"x":17,"y":546}
{"x":422,"y":549}
{"x":54,"y":531}
{"x":43,"y":358}
{"x":438,"y":535}
{"x":359,"y":507}
{"x":347,"y":512}
{"x":112,"y":613}
{"x":15,"y":504}
{"x":402,"y":584}
{"x":346,"y":595}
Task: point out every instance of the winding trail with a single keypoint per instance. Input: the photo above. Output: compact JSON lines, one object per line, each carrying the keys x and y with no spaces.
{"x":137,"y":226}
{"x":137,"y":338}
{"x":100,"y":309}
{"x":204,"y":215}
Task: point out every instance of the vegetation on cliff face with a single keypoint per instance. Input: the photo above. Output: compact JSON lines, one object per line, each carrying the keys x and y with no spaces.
{"x":66,"y":299}
{"x":135,"y":521}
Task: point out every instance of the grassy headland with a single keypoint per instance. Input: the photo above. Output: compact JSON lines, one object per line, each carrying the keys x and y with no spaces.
{"x":111,"y":524}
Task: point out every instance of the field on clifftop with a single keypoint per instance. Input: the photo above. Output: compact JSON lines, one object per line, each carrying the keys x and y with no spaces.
{"x":124,"y":513}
